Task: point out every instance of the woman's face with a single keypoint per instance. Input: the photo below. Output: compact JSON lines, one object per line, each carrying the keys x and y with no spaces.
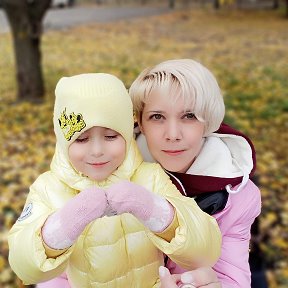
{"x":174,"y":135}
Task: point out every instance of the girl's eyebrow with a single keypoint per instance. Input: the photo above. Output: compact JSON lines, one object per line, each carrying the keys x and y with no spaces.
{"x":110,"y":130}
{"x":83,"y":134}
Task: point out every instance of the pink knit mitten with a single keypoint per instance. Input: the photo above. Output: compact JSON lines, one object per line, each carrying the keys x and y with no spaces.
{"x":154,"y":211}
{"x":64,"y":226}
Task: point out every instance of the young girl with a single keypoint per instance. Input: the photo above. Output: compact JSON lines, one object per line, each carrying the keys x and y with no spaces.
{"x":84,"y":217}
{"x":179,"y":108}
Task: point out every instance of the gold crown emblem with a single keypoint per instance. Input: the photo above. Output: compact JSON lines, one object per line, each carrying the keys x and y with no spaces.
{"x":71,"y":124}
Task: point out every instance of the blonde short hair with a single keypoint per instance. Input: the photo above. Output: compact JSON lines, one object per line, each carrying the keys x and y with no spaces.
{"x":182,"y":78}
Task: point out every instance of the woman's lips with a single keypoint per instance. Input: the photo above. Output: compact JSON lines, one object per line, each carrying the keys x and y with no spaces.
{"x":173,"y":152}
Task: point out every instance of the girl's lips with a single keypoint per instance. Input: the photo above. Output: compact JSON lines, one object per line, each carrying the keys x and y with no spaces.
{"x":99,"y":164}
{"x":173,"y":152}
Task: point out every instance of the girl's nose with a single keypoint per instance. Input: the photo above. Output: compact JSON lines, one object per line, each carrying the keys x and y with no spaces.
{"x":96,"y":148}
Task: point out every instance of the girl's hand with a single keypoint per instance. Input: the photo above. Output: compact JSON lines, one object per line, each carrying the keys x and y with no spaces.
{"x":204,"y":277}
{"x":154,"y":211}
{"x":64,"y":226}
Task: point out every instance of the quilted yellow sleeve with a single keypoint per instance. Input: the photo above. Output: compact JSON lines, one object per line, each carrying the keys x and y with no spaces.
{"x":27,"y":255}
{"x":197,"y":239}
{"x":53,"y":253}
{"x":169,"y":233}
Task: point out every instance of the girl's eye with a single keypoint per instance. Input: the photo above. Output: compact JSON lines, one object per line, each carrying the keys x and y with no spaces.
{"x":111,"y":137}
{"x":82,"y":140}
{"x":156,"y":117}
{"x":189,"y":116}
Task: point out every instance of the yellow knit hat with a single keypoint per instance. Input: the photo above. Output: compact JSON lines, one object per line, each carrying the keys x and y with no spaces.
{"x":88,"y":100}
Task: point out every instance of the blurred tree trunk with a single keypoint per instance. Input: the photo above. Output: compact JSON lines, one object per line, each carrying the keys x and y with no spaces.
{"x":275,"y":4}
{"x":25,"y":19}
{"x":239,"y":3}
{"x":171,"y":4}
{"x":186,"y":3}
{"x":216,"y":4}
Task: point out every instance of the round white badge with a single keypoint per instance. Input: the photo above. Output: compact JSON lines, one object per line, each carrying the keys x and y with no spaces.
{"x":27,"y":211}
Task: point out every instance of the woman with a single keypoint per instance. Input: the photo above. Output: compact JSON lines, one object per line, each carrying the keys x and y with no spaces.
{"x":179,"y":109}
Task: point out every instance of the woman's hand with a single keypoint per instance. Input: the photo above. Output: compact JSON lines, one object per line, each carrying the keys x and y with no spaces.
{"x":204,"y":277}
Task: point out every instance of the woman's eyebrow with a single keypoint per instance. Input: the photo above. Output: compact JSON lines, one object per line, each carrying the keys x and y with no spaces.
{"x":155,"y":111}
{"x":188,"y":110}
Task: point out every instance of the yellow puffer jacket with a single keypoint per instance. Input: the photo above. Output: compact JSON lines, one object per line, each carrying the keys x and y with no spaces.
{"x":114,"y":251}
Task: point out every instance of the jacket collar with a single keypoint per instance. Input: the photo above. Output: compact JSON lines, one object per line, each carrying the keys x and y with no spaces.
{"x":227,"y":159}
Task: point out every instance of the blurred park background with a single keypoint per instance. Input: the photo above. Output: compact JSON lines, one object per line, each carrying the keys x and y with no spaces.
{"x":243,"y":42}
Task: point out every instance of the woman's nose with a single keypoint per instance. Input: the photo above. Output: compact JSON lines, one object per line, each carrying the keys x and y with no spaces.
{"x":173,"y":131}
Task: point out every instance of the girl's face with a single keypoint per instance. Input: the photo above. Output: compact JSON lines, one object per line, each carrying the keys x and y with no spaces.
{"x":174,"y":135}
{"x":97,"y":152}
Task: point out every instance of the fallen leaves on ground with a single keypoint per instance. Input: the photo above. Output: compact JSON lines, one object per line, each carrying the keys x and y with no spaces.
{"x":247,"y":52}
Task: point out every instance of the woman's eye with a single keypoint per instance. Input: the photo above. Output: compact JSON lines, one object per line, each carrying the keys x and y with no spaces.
{"x":156,"y":117}
{"x":189,"y":116}
{"x":82,"y":140}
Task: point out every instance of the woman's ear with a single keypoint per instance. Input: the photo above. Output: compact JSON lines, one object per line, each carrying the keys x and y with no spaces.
{"x":141,"y":128}
{"x":139,"y":122}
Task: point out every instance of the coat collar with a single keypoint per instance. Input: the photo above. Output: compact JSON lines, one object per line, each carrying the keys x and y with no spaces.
{"x":226,"y":160}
